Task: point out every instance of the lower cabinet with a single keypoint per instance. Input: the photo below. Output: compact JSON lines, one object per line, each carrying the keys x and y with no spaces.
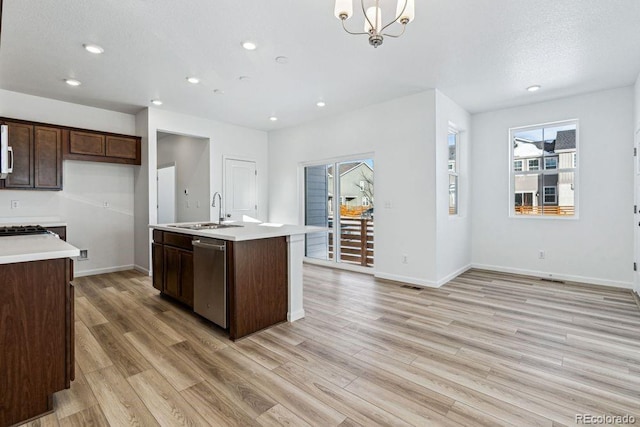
{"x":173,"y":266}
{"x":37,"y":337}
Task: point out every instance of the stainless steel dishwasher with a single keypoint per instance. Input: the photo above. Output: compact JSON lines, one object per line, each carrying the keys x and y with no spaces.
{"x":210,"y":280}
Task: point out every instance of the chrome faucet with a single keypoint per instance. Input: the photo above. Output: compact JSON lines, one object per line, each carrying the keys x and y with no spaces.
{"x":213,"y":204}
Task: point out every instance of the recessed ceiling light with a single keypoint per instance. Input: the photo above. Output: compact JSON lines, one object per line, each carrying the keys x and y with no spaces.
{"x":282,"y":60}
{"x":249,"y":45}
{"x":93,"y":48}
{"x":72,"y":82}
{"x":218,"y":91}
{"x":243,"y":78}
{"x":156,"y":102}
{"x":273,"y":118}
{"x":193,"y":80}
{"x":321,"y":104}
{"x":534,"y":88}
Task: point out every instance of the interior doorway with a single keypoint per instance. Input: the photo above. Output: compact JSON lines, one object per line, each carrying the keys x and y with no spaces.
{"x":190,"y":187}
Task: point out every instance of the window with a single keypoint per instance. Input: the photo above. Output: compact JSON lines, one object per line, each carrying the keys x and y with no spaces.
{"x":365,"y":201}
{"x":362,"y":186}
{"x":517,"y":165}
{"x":551,"y":163}
{"x":452,"y":167}
{"x":547,"y":187}
{"x":549,"y":195}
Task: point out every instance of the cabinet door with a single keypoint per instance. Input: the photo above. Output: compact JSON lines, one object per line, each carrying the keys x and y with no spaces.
{"x":21,"y":140}
{"x":121,"y":147}
{"x":172,"y":271}
{"x":48,"y":158}
{"x":86,"y":143}
{"x":157,"y":254}
{"x":186,"y":277}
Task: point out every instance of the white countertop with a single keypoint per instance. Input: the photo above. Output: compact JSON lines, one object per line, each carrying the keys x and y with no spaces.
{"x":34,"y":248}
{"x":248,"y":231}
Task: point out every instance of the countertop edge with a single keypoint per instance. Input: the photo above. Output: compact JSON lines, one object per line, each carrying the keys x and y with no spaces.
{"x":265,"y":232}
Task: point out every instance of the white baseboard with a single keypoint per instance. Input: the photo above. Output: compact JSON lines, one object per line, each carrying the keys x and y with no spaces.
{"x":142,"y":270}
{"x":406,"y":279}
{"x":453,"y":275}
{"x":82,"y":273}
{"x":296,"y":315}
{"x":555,"y":276}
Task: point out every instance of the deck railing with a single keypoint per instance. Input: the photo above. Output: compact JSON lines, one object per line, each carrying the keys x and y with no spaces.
{"x":356,"y":241}
{"x":545,"y":210}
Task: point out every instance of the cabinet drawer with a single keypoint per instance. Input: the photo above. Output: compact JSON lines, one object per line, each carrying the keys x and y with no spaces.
{"x":157,"y":236}
{"x":86,"y":143}
{"x":124,"y":148}
{"x":179,"y":240}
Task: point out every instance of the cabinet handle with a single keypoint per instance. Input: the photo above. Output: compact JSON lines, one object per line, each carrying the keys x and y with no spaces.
{"x":10,"y":150}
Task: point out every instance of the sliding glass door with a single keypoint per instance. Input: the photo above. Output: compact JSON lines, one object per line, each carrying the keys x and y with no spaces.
{"x":340,"y":197}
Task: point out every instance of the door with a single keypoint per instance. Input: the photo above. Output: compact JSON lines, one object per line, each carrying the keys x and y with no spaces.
{"x":240,"y":181}
{"x":167,"y":194}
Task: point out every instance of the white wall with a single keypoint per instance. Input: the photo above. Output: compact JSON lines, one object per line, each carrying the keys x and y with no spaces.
{"x":105,"y":232}
{"x":401,"y":134}
{"x":597,"y":247}
{"x":191,"y":158}
{"x":453,"y":245}
{"x":225,"y":140}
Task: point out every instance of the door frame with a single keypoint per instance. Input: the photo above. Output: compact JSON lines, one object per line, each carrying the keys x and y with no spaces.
{"x":175,"y":187}
{"x":226,"y":157}
{"x":636,"y":220}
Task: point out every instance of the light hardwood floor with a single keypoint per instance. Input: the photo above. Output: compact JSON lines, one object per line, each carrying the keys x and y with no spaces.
{"x":485,"y":349}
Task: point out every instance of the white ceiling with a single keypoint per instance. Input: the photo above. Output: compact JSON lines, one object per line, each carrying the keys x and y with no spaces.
{"x":481,"y":53}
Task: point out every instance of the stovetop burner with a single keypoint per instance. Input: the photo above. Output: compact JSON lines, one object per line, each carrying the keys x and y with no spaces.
{"x":22,"y":230}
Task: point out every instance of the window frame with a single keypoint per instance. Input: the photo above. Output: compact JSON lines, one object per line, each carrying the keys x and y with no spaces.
{"x":541,"y":171}
{"x":453,"y":170}
{"x":555,"y":193}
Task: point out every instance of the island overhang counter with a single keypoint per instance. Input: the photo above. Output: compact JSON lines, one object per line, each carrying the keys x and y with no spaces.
{"x":263,"y":270}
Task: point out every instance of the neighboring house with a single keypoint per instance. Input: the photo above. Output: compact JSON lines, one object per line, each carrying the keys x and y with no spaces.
{"x":356,"y":187}
{"x":546,"y":187}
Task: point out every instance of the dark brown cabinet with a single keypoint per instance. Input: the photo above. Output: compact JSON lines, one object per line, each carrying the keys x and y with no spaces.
{"x":37,"y":157}
{"x":37,"y":339}
{"x":102,"y":147}
{"x":172,"y":255}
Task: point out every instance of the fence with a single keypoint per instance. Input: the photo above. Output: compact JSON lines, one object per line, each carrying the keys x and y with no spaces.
{"x":356,"y":241}
{"x":545,"y":210}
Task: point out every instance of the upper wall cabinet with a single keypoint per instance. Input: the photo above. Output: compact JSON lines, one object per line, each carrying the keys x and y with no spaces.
{"x":37,"y":156}
{"x":102,"y":147}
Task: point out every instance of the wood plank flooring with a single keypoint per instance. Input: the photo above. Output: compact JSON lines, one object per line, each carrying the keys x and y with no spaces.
{"x":486,"y":349}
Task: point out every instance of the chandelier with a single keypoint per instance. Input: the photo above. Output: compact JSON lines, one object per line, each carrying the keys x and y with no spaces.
{"x":373,"y":18}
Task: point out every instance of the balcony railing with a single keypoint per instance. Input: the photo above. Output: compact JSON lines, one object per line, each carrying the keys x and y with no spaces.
{"x":545,"y":210}
{"x":356,"y":241}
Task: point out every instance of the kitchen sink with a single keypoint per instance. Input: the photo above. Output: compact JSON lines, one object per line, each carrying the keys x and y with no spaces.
{"x":206,"y":226}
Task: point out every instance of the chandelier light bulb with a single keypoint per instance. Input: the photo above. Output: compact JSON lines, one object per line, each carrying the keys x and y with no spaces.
{"x":343,"y":9}
{"x":406,"y":16}
{"x":374,"y":15}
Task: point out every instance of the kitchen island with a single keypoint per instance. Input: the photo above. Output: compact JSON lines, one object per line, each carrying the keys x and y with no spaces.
{"x":36,"y":324}
{"x":262,"y":271}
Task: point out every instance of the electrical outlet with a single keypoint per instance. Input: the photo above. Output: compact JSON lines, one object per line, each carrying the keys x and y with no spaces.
{"x":541,"y":254}
{"x":84,"y":255}
{"x":388,"y":204}
{"x":15,"y":204}
{"x":197,"y":203}
{"x":405,"y":259}
{"x":105,"y":204}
